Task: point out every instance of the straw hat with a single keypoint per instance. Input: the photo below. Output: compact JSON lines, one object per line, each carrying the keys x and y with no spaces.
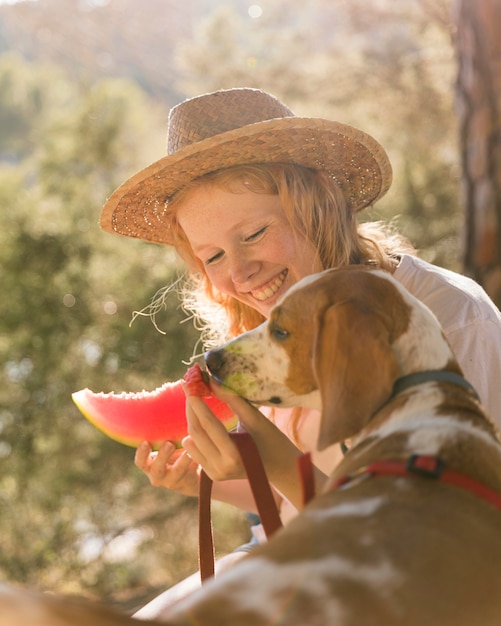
{"x":243,"y":126}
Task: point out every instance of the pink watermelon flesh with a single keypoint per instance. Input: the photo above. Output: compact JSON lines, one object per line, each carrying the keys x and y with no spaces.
{"x":153,"y":416}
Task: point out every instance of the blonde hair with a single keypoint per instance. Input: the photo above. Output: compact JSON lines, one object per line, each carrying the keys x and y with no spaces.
{"x":316,"y":209}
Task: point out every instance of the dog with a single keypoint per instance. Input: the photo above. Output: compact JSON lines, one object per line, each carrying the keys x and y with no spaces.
{"x":407,"y":529}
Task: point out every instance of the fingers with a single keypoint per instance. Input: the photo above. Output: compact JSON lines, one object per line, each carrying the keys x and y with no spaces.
{"x":208,"y":442}
{"x":168,"y":467}
{"x":142,"y":454}
{"x":148,"y":461}
{"x":204,"y":426}
{"x":248,"y":415}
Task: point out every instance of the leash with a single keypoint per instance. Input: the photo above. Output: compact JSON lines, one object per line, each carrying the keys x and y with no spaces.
{"x":261,"y":490}
{"x":422,"y":465}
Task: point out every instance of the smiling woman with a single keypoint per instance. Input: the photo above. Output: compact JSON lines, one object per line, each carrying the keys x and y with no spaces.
{"x":264,"y":208}
{"x":245,"y":244}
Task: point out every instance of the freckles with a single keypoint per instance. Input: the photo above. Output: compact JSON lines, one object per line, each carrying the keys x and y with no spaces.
{"x":221,"y":279}
{"x":284,"y":245}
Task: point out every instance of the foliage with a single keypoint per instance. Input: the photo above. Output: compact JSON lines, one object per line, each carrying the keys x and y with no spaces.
{"x":72,"y":500}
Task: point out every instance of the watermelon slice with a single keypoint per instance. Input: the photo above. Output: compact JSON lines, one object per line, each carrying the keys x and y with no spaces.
{"x":152,"y":416}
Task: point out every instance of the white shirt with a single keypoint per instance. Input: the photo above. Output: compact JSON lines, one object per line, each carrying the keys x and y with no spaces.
{"x":470,"y":321}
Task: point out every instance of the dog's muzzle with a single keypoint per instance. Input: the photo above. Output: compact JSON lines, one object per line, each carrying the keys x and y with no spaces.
{"x":214,"y":360}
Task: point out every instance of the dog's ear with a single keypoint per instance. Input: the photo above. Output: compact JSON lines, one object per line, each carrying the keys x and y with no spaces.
{"x":355,"y":369}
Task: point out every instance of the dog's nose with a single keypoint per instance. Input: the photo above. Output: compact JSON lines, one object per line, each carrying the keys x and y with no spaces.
{"x":214,"y":360}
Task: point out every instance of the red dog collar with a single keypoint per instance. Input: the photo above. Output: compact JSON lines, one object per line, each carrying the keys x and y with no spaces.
{"x":427,"y":466}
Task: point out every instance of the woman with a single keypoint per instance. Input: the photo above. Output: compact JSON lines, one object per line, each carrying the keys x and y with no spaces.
{"x":254,"y":198}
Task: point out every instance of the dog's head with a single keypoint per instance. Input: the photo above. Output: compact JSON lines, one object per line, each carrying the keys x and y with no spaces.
{"x":337,"y":341}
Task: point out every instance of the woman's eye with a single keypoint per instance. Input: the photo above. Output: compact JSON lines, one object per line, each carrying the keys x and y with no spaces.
{"x":257,"y":234}
{"x":251,"y":238}
{"x":213,"y":258}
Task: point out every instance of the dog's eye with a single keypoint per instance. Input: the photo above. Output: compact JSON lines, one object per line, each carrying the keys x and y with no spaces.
{"x":280,"y":333}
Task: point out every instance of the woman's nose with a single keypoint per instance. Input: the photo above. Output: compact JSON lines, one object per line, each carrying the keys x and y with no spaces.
{"x":243,"y":269}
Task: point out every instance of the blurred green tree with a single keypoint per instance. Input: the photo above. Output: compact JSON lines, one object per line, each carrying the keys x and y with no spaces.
{"x":74,"y":511}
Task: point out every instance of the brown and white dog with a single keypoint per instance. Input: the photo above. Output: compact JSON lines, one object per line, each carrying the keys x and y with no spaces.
{"x":408,"y":530}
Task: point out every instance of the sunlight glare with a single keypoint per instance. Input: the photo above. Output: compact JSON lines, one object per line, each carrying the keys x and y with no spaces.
{"x":255,"y":11}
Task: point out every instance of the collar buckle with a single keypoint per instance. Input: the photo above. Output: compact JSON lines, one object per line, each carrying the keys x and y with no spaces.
{"x":425,"y":465}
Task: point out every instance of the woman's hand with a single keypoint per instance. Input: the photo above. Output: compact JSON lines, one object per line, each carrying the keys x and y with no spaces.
{"x":169,"y":467}
{"x":209,"y":444}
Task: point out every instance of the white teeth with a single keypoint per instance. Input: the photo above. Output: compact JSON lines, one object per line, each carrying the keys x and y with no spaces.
{"x":270,"y":289}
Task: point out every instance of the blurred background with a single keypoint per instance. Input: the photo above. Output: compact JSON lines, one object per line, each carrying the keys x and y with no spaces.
{"x":85,"y":90}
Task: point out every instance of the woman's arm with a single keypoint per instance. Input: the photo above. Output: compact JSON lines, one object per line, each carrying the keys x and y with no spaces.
{"x":174,"y":469}
{"x":238,"y":493}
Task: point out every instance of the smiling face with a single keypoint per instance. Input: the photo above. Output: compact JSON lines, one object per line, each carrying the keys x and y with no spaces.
{"x":245,"y":243}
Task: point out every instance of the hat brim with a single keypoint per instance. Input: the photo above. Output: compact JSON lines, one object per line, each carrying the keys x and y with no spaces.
{"x":354,"y":160}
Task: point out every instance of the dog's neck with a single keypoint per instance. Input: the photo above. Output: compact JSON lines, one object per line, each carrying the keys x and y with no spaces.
{"x":418,"y":378}
{"x":423,"y":346}
{"x":415,"y":379}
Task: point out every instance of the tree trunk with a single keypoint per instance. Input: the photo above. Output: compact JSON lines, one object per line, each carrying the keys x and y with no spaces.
{"x":478,"y":91}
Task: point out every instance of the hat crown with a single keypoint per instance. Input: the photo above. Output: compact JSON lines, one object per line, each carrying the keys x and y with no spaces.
{"x":243,"y":126}
{"x":214,"y":113}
